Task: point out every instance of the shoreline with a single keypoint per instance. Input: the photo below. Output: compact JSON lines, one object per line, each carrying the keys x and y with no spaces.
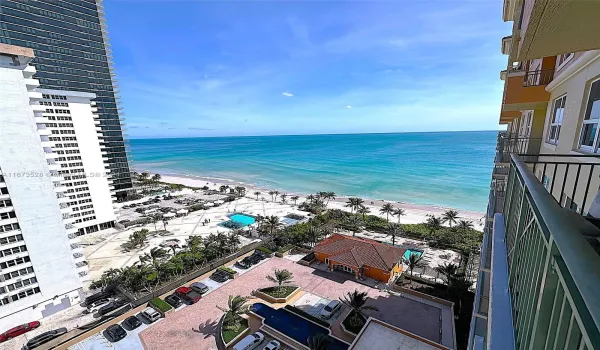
{"x":415,"y":213}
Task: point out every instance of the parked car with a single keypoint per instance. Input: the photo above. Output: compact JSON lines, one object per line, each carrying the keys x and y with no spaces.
{"x":150,"y":314}
{"x":254,"y":259}
{"x":219,"y":276}
{"x":131,"y":323}
{"x":330,"y":309}
{"x":249,"y":342}
{"x":188,"y":295}
{"x":174,"y":300}
{"x":272,"y":345}
{"x":260,"y":254}
{"x":44,"y":338}
{"x":18,"y":330}
{"x":114,"y":307}
{"x":95,"y":306}
{"x":245,"y":263}
{"x":199,"y":287}
{"x":95,"y":297}
{"x":115,"y":333}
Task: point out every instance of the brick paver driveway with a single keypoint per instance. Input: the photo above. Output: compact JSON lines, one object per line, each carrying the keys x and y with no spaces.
{"x":195,"y":326}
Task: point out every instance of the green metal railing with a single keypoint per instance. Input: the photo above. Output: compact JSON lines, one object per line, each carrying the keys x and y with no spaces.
{"x":554,"y":272}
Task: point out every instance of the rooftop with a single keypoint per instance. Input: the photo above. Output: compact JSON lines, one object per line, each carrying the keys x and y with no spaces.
{"x":359,"y":252}
{"x":377,"y":334}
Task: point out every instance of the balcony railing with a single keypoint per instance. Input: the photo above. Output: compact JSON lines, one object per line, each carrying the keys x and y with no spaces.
{"x":553,"y":269}
{"x":514,"y":144}
{"x":538,"y":77}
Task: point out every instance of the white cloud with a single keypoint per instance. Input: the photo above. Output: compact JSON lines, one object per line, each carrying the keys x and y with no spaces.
{"x":287,"y":93}
{"x":348,"y":107}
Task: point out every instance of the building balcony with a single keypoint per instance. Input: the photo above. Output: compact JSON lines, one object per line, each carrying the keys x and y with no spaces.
{"x":526,"y":90}
{"x":40,"y":119}
{"x":513,"y":144}
{"x":545,"y":253}
{"x":29,"y":72}
{"x":34,"y":95}
{"x":552,"y":27}
{"x":38,"y":108}
{"x":44,"y":132}
{"x":506,"y":45}
{"x":32,"y":83}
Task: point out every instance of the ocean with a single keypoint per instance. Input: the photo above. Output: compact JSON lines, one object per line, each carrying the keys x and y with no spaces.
{"x":450,"y":169}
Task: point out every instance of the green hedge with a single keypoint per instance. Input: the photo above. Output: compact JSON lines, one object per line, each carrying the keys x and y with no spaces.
{"x":265,"y":250}
{"x":278,"y":292}
{"x":306,"y":315}
{"x":160,"y":304}
{"x":228,"y":270}
{"x":229,"y":332}
{"x":285,"y":248}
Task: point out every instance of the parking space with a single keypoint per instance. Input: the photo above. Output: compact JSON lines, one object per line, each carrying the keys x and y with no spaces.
{"x":314,"y":304}
{"x":131,"y":341}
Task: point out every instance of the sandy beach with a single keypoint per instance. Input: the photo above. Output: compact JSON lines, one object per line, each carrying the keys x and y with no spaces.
{"x":415,"y":213}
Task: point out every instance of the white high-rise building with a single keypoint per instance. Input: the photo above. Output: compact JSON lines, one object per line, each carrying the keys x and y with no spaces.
{"x":76,"y":136}
{"x":41,"y":268}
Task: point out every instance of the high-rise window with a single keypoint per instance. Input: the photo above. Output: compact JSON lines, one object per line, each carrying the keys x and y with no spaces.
{"x":589,"y":131}
{"x":558,"y":110}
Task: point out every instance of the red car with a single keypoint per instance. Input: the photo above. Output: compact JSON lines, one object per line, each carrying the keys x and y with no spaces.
{"x":17,"y":331}
{"x":188,"y":295}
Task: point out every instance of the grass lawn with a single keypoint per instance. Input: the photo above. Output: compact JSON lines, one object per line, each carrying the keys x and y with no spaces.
{"x":279,"y":292}
{"x":229,"y":334}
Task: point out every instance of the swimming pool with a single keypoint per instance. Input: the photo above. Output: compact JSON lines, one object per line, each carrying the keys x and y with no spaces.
{"x":294,"y":326}
{"x":243,"y":219}
{"x":409,"y":252}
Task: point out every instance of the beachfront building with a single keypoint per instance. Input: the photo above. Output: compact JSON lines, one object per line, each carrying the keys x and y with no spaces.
{"x":41,"y":268}
{"x":539,"y":278}
{"x":76,"y":135}
{"x":360,"y":257}
{"x":70,"y":42}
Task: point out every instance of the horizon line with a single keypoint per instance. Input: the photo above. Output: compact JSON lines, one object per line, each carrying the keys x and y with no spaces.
{"x":324,"y":134}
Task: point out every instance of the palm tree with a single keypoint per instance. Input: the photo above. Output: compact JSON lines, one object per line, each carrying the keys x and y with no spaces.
{"x":156,"y":178}
{"x":449,"y":271}
{"x":355,"y":224}
{"x":329,"y":196}
{"x":240,"y":190}
{"x":272,"y":224}
{"x":450,"y":216}
{"x":283,"y":198}
{"x":233,"y":240}
{"x":394,"y":230}
{"x":236,"y":307}
{"x":356,"y":302}
{"x":281,"y":277}
{"x":414,"y":260}
{"x":276,"y":193}
{"x":465,"y":225}
{"x":310,"y":198}
{"x":318,"y":342}
{"x":314,"y":233}
{"x":434,"y":223}
{"x":387,"y":209}
{"x":399,"y":212}
{"x":272,"y":193}
{"x":144,"y":176}
{"x":156,"y":255}
{"x":223,"y":188}
{"x":257,"y":193}
{"x":354,"y":203}
{"x":295,"y":199}
{"x":364,"y":211}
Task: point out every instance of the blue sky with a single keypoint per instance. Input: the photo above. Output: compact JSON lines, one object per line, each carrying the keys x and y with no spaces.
{"x":224,"y":68}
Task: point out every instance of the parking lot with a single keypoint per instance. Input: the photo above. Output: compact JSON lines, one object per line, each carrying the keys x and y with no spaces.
{"x":314,"y":304}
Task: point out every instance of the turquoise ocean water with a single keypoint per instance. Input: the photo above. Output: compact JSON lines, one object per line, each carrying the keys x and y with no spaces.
{"x":443,"y":168}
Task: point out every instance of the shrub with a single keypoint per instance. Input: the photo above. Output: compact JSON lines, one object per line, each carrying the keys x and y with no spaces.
{"x":231,"y":331}
{"x":196,"y":207}
{"x":295,"y":216}
{"x":234,"y":225}
{"x":278,"y":292}
{"x":285,"y":248}
{"x":228,"y":270}
{"x":160,"y":304}
{"x":306,"y":315}
{"x":265,"y":250}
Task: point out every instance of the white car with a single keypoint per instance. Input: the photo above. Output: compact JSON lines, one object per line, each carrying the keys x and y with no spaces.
{"x":249,"y":342}
{"x":273,"y":345}
{"x":150,"y":314}
{"x":95,"y":306}
{"x":330,"y":309}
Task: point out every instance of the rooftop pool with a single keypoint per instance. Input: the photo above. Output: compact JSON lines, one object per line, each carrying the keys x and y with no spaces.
{"x":294,"y":326}
{"x":243,"y":219}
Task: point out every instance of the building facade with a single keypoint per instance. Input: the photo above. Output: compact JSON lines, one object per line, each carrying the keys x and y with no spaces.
{"x":41,"y":268}
{"x":540,"y":259}
{"x":70,"y":42}
{"x":77,"y":137}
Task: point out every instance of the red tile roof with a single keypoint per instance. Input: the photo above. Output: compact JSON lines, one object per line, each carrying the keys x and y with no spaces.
{"x":360,"y":252}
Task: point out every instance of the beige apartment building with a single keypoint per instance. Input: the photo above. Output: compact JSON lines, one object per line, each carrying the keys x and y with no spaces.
{"x":539,"y":277}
